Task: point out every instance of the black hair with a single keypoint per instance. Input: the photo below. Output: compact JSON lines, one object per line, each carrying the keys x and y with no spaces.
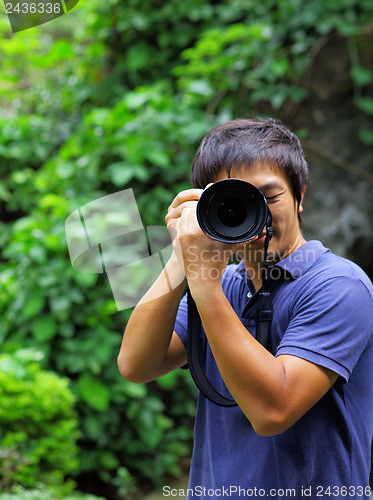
{"x":246,"y":141}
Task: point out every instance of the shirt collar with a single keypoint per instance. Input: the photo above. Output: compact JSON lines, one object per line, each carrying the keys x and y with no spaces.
{"x":303,"y":258}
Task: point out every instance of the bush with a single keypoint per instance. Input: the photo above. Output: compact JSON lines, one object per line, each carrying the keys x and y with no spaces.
{"x":42,"y":492}
{"x":38,"y":425}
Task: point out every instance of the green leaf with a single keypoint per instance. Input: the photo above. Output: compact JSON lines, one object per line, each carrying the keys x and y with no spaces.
{"x":33,"y":304}
{"x":365,"y":104}
{"x":120,"y":173}
{"x":4,"y":193}
{"x":29,"y":354}
{"x":92,"y":427}
{"x":168,"y":381}
{"x":93,"y":392}
{"x":361,"y":76}
{"x":201,"y":87}
{"x":108,"y":460}
{"x":136,"y":391}
{"x":158,"y":157}
{"x":138,"y":56}
{"x":59,"y":304}
{"x":366,"y":136}
{"x":44,"y":328}
{"x":9,"y":364}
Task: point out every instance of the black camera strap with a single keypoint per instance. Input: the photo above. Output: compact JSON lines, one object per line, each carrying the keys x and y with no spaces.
{"x":264,"y":312}
{"x":195,"y":358}
{"x":195,"y":341}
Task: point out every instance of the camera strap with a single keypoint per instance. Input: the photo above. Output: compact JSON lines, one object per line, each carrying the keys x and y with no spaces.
{"x":195,"y":358}
{"x":264,"y":312}
{"x":195,"y":341}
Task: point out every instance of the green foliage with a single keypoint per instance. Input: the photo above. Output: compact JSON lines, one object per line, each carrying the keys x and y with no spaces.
{"x":37,"y":422}
{"x":43,"y":492}
{"x":260,"y":62}
{"x":116,"y":95}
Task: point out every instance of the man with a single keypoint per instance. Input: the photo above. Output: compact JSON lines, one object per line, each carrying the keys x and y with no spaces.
{"x":304,"y":422}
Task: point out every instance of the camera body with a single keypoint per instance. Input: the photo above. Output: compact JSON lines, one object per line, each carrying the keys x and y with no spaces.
{"x":232,"y":211}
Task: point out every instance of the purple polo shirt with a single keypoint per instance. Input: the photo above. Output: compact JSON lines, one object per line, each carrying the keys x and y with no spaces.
{"x":323,"y":313}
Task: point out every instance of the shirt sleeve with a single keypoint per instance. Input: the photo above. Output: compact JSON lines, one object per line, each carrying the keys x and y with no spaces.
{"x":331,"y":325}
{"x":181,"y":322}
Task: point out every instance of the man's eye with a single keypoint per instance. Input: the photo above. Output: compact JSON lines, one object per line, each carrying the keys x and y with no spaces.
{"x":271,"y":198}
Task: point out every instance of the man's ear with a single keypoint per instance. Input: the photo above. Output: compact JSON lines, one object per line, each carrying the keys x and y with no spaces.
{"x":300,"y":206}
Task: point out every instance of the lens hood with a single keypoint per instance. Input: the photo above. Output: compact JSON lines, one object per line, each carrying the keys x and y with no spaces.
{"x":232,"y":211}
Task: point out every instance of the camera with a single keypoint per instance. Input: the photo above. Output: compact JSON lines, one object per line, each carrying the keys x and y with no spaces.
{"x":232,"y":211}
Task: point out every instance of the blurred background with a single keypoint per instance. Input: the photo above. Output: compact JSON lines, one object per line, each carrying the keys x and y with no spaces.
{"x":117,"y":94}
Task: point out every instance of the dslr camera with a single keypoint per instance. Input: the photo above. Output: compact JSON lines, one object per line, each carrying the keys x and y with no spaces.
{"x":233,"y":211}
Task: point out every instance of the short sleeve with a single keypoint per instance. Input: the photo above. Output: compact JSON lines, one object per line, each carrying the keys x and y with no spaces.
{"x":331,"y":325}
{"x":181,"y":322}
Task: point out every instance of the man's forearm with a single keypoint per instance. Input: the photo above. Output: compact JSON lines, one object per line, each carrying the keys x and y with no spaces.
{"x":148,"y":333}
{"x":252,"y":374}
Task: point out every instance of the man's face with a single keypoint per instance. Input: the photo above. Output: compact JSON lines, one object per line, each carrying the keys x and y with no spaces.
{"x":275,"y":186}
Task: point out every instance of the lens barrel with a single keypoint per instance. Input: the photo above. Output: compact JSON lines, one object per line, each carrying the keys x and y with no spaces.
{"x":232,"y":211}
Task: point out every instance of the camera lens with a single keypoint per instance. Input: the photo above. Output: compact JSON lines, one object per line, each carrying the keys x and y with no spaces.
{"x":232,"y":212}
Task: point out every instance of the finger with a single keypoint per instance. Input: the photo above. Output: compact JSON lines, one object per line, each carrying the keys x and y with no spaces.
{"x":179,"y":225}
{"x":187,"y":195}
{"x":185,"y":218}
{"x":176,"y":212}
{"x":189,"y":223}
